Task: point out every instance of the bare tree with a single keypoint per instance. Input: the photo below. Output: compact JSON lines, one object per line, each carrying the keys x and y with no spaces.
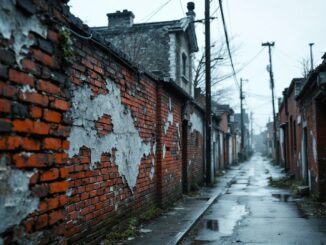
{"x":219,"y":60}
{"x":305,"y":66}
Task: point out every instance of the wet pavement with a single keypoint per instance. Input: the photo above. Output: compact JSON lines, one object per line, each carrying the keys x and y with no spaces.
{"x":251,"y":212}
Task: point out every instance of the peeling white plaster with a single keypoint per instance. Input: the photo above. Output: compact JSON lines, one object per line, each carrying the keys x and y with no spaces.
{"x":28,"y":89}
{"x":196,"y":123}
{"x":314,"y":148}
{"x":151,"y":173}
{"x":177,"y":125}
{"x":125,"y":137}
{"x":164,"y":151}
{"x":169,"y":121}
{"x":154,"y":148}
{"x":19,"y":27}
{"x":69,"y":192}
{"x":16,"y":201}
{"x":170,"y":104}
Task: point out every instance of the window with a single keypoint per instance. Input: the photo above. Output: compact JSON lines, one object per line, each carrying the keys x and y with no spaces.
{"x":184,"y":64}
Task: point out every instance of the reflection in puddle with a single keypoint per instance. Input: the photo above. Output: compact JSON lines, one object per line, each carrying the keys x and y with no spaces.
{"x":212,"y":224}
{"x":282,"y":197}
{"x":213,"y":229}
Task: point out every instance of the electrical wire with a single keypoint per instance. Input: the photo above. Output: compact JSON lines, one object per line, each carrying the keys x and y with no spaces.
{"x":228,"y":44}
{"x":180,"y":1}
{"x":153,"y":13}
{"x":239,"y":70}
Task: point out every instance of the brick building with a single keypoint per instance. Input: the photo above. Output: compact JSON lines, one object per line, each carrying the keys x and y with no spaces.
{"x":302,"y":117}
{"x":88,"y":138}
{"x":312,"y":103}
{"x":290,"y":133}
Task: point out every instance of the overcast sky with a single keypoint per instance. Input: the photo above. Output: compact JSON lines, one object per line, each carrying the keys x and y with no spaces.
{"x":292,"y":24}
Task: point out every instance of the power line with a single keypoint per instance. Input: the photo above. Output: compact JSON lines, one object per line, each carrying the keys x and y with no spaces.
{"x":153,"y":13}
{"x":180,"y":1}
{"x":228,"y":44}
{"x":230,"y":75}
{"x":239,"y":70}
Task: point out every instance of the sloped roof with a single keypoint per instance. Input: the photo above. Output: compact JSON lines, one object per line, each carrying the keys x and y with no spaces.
{"x":182,"y":25}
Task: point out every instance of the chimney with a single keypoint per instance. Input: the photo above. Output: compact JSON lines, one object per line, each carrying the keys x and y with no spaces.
{"x":120,"y":19}
{"x":191,"y":7}
{"x":324,"y":58}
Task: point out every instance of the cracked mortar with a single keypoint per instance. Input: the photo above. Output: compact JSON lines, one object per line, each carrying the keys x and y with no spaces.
{"x":125,"y":138}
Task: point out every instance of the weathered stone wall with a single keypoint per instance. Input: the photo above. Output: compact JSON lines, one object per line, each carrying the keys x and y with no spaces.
{"x":86,"y":139}
{"x":148,"y":47}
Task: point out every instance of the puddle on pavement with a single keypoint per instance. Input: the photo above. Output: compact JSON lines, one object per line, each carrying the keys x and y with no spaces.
{"x":212,"y":224}
{"x":213,"y":229}
{"x":282,"y":197}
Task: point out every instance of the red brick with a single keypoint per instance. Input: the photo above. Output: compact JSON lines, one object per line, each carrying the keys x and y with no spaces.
{"x":34,"y":97}
{"x":52,"y":144}
{"x":41,"y":128}
{"x":34,"y":179}
{"x":35,"y":112}
{"x":29,"y":65}
{"x":52,"y":116}
{"x":65,"y":145}
{"x":29,"y":224}
{"x":33,"y":161}
{"x":56,"y":216}
{"x":43,"y":206}
{"x":52,"y":203}
{"x":44,"y":58}
{"x":58,"y":187}
{"x":10,"y":142}
{"x":60,"y":158}
{"x":63,"y":199}
{"x":42,"y":221}
{"x":20,"y":77}
{"x":64,"y":172}
{"x":7,"y":90}
{"x":48,"y":87}
{"x":50,"y":175}
{"x":23,"y":125}
{"x":31,"y":144}
{"x":5,"y":106}
{"x":61,"y":105}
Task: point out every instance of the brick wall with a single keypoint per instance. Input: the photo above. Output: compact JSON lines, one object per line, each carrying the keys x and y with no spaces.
{"x":193,"y":142}
{"x":86,"y":139}
{"x":169,"y":147}
{"x":321,"y":143}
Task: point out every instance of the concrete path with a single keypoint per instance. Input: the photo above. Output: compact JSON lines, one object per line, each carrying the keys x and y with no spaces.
{"x":173,"y":225}
{"x":251,"y":212}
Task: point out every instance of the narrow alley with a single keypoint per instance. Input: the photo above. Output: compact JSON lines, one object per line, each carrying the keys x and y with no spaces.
{"x":252,"y":212}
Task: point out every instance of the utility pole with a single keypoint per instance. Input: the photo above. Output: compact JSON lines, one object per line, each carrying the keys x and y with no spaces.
{"x":270,"y":45}
{"x":311,"y":58}
{"x":241,"y":116}
{"x":208,"y":121}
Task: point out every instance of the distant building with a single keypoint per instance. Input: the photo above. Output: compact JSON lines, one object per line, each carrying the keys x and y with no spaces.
{"x":165,"y":48}
{"x":290,"y":133}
